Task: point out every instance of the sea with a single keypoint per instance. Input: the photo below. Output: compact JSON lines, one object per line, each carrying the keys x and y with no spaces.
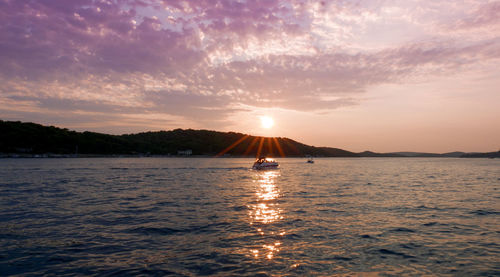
{"x":218,"y":217}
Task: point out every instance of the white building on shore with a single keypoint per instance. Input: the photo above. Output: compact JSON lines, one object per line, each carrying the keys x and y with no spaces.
{"x":187,"y":152}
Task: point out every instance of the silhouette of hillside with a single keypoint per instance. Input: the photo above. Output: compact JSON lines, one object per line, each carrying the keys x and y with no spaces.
{"x":31,"y":138}
{"x":490,"y":155}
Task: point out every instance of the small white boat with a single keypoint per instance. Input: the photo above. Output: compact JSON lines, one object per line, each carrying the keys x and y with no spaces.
{"x":310,"y":160}
{"x":265,"y":163}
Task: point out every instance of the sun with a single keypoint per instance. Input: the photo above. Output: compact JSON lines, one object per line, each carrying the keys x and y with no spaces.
{"x":266,"y":122}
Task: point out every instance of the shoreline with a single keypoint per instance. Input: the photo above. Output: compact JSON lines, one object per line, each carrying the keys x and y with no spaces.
{"x":76,"y":156}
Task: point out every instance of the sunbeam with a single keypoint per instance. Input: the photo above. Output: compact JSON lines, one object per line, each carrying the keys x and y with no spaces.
{"x":231,"y":146}
{"x":250,"y":147}
{"x":269,"y":147}
{"x":278,"y":146}
{"x":259,"y":150}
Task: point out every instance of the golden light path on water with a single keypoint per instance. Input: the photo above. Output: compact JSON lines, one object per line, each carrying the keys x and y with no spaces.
{"x":266,"y":211}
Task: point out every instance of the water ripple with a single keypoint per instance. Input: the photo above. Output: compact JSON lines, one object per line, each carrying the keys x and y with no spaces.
{"x":215,"y":217}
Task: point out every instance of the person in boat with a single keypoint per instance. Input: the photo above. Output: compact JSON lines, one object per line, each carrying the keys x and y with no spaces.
{"x":265,"y":163}
{"x":261,"y":160}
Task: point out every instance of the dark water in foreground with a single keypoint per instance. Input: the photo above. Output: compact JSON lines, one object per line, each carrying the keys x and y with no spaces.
{"x":187,"y":217}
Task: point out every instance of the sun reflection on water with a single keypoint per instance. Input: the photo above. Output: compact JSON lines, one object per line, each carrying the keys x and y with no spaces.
{"x":264,"y":213}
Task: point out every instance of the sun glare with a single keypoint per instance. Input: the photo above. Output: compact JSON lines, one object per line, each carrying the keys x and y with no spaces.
{"x":266,"y":122}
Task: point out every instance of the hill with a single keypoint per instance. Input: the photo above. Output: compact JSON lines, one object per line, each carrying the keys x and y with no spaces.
{"x":31,"y":138}
{"x":374,"y":154}
{"x":28,"y":139}
{"x":490,"y":155}
{"x":429,"y":155}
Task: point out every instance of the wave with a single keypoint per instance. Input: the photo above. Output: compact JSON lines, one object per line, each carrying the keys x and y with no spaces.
{"x":170,"y":231}
{"x":402,"y":229}
{"x":481,"y":212}
{"x":384,"y":251}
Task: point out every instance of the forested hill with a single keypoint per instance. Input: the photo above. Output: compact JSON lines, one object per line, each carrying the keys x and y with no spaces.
{"x":31,"y":138}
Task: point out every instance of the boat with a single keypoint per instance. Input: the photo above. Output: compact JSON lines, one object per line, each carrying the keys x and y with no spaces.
{"x":310,"y":160}
{"x":265,"y":163}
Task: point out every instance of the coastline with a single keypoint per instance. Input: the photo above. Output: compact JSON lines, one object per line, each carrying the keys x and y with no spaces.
{"x":76,"y":156}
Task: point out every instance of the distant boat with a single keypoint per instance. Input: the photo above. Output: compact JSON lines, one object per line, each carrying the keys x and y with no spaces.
{"x":265,"y":163}
{"x":310,"y":160}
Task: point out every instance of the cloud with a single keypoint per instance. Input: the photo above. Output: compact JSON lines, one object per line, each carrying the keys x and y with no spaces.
{"x":44,"y":40}
{"x":203,"y":61}
{"x":486,"y":15}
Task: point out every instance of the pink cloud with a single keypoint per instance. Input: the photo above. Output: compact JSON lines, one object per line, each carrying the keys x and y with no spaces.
{"x":93,"y":44}
{"x":487,"y":14}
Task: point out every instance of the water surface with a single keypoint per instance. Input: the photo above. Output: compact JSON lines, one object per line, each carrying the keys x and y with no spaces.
{"x":191,"y":217}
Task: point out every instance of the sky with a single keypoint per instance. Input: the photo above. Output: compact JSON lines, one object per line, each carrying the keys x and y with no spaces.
{"x":379,"y":75}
